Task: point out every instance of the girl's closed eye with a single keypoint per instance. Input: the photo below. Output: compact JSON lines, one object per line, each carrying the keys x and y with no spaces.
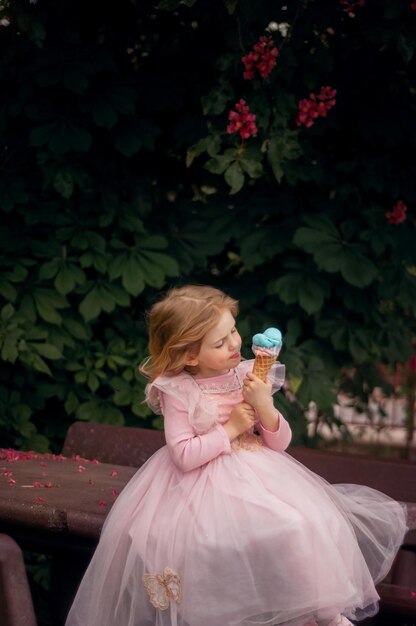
{"x":221,"y":343}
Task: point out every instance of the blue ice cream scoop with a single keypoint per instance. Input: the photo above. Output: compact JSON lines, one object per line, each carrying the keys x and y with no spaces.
{"x":270,"y":341}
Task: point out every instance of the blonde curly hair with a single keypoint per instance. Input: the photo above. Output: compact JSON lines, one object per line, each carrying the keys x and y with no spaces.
{"x":177,"y":325}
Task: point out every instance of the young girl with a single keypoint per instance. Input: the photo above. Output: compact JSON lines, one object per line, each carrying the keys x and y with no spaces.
{"x":221,"y":527}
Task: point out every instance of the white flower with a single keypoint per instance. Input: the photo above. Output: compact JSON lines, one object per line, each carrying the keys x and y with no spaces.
{"x":273,"y":27}
{"x":284,"y":28}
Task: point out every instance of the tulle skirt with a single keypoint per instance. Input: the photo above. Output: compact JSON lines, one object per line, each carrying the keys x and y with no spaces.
{"x":252,"y":538}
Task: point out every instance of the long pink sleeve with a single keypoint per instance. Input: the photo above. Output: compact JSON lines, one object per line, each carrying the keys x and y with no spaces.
{"x":188,"y":450}
{"x":278,"y":440}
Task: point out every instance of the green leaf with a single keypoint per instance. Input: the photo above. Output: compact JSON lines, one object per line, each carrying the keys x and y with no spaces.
{"x":50,"y":269}
{"x":252,"y":167}
{"x":360,"y":345}
{"x":39,"y":364}
{"x":116,"y":267}
{"x":93,"y":382}
{"x":47,"y":303}
{"x":358,"y":270}
{"x":71,"y":403}
{"x":9,"y":351}
{"x":335,"y":330}
{"x":132,"y":276}
{"x":42,"y":134}
{"x":322,"y":223}
{"x":127,"y":267}
{"x":210,"y":144}
{"x":234,"y":177}
{"x":90,"y":306}
{"x":132,"y":134}
{"x":166,"y":263}
{"x":312,"y":295}
{"x":300,"y":287}
{"x":7,"y":290}
{"x":311,"y":239}
{"x":19,"y":273}
{"x":154,"y":242}
{"x":35,"y":28}
{"x":316,"y":386}
{"x":61,"y":137}
{"x":144,"y":265}
{"x":275,"y":158}
{"x":121,"y":297}
{"x":85,"y":239}
{"x":68,"y":277}
{"x":231,"y":6}
{"x":104,"y":114}
{"x":7,"y":312}
{"x":47,"y":312}
{"x":333,"y":254}
{"x":63,"y":182}
{"x":123,"y":392}
{"x":77,"y":329}
{"x":107,"y":300}
{"x":47,"y":350}
{"x":281,"y":148}
{"x":74,"y":80}
{"x":97,"y":260}
{"x":99,"y":411}
{"x":155,"y":267}
{"x":122,"y":98}
{"x":216,"y":101}
{"x":102,"y":297}
{"x":28,"y":309}
{"x":219,"y":163}
{"x":69,"y":136}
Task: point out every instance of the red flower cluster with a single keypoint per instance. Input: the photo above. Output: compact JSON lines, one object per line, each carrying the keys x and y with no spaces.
{"x":317,"y":105}
{"x":262,"y":58}
{"x":16,"y":455}
{"x":242,"y":121}
{"x":351,"y":5}
{"x":413,"y":5}
{"x":398,"y":215}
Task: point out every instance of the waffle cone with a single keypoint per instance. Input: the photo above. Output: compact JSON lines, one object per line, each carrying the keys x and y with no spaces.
{"x":263,"y":364}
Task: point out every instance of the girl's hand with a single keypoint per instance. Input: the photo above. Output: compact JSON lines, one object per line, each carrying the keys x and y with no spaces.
{"x":259,"y":394}
{"x":242,"y":418}
{"x":256,"y":392}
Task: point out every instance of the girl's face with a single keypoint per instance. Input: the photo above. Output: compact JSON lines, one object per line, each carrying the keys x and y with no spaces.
{"x":220,"y":348}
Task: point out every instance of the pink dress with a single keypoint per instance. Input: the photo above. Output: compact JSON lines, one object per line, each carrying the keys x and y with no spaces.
{"x":209,"y":533}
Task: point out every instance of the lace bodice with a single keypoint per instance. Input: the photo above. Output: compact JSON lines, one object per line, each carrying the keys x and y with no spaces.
{"x":200,"y":396}
{"x":225,"y":391}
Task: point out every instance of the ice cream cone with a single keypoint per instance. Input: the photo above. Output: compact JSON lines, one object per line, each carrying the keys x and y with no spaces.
{"x":262,"y":365}
{"x":266,"y":347}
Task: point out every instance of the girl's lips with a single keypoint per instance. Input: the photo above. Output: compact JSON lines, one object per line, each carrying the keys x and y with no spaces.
{"x":235,"y":356}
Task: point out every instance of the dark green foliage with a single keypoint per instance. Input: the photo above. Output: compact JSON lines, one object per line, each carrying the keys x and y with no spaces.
{"x":118,"y":180}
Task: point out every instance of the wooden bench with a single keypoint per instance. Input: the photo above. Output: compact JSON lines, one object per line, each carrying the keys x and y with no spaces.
{"x":121,"y":445}
{"x":16,"y":607}
{"x":397,"y":478}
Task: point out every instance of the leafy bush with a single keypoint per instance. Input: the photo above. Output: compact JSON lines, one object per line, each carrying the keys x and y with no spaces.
{"x":120,"y":178}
